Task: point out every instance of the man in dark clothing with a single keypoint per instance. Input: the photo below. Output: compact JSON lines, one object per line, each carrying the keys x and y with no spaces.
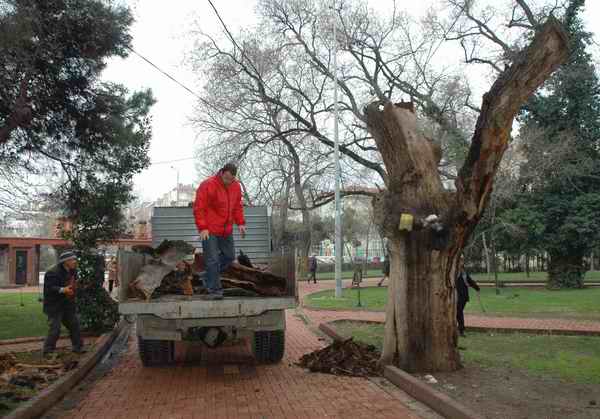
{"x":59,"y":303}
{"x":386,"y":264}
{"x":463,"y":282}
{"x":217,"y":207}
{"x":312,"y":268}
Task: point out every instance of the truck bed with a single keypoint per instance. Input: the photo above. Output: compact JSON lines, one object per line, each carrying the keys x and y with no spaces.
{"x":182,"y":306}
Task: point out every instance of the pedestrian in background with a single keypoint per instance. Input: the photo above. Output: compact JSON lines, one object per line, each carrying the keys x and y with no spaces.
{"x":463,"y":282}
{"x":312,"y":268}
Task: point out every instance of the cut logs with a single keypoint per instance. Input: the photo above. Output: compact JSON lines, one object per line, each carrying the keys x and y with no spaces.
{"x":172,"y":271}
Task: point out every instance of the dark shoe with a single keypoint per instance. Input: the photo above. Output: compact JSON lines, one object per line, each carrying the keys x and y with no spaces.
{"x":462,"y":333}
{"x":79,"y":351}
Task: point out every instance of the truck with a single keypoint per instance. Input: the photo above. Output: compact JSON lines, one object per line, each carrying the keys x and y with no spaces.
{"x":160,"y":322}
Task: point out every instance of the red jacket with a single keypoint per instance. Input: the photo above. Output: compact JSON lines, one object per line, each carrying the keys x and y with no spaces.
{"x":217,"y":207}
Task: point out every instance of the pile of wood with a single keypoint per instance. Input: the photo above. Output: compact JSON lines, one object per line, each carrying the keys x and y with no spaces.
{"x":21,"y":381}
{"x":173,"y":269}
{"x":345,"y":357}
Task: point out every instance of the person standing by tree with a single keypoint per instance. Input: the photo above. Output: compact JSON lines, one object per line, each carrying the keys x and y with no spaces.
{"x":217,"y":207}
{"x":312,"y":268}
{"x":59,"y":303}
{"x":386,"y":265}
{"x":463,"y":282}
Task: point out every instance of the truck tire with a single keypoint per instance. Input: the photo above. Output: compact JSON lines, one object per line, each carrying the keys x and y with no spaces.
{"x":268,"y":346}
{"x":156,"y":352}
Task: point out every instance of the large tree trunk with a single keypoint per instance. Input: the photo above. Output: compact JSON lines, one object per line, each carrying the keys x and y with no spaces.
{"x":420,"y":331}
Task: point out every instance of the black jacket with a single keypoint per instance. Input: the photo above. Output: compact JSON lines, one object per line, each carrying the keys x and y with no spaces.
{"x":462,"y":290}
{"x":312,"y":264}
{"x":56,"y":278}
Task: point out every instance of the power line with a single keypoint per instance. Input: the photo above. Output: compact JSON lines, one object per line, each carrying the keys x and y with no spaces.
{"x":165,"y":73}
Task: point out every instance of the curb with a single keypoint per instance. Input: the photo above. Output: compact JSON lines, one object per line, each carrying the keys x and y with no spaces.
{"x":44,"y":400}
{"x":484,"y":329}
{"x":436,"y":400}
{"x":562,"y":332}
{"x":357,"y":309}
{"x":415,"y":388}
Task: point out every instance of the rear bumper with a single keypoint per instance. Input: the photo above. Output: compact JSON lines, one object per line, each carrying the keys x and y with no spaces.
{"x":152,"y":327}
{"x":180,"y":307}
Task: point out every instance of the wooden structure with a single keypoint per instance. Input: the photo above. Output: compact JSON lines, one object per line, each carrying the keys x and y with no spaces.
{"x":20,"y":257}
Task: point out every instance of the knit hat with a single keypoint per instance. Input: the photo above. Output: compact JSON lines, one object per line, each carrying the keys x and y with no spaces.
{"x":65,"y":256}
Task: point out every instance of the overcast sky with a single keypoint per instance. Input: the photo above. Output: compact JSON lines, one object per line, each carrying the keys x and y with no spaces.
{"x":159,"y":34}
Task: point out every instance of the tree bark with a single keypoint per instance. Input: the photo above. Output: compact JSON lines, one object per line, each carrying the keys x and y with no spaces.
{"x":283,"y":216}
{"x":420,"y":330}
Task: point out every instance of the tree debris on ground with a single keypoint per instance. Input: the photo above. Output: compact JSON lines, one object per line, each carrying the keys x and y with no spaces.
{"x":345,"y":357}
{"x":174,"y":269}
{"x":20,"y":381}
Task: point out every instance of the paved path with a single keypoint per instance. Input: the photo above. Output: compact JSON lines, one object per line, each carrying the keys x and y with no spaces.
{"x":227,"y":384}
{"x":475,"y":321}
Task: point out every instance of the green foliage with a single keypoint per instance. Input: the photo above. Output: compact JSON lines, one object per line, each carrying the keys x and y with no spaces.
{"x":563,"y":194}
{"x":98,"y":312}
{"x":99,"y":187}
{"x":53,"y":107}
{"x":52,"y":53}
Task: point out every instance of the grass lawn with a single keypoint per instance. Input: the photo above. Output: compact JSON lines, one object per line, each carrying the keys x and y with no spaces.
{"x":21,"y":321}
{"x":371,"y":298}
{"x":572,"y":358}
{"x":371,"y":273}
{"x":591,"y":276}
{"x":581,"y":304}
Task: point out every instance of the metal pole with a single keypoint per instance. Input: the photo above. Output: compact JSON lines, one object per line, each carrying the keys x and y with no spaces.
{"x":338,"y":217}
{"x":176,"y":187}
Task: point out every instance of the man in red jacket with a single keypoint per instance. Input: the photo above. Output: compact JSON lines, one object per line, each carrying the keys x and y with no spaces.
{"x":217,"y":207}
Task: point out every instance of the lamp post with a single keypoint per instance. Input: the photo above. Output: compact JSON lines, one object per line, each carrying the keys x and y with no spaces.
{"x":338,"y":217}
{"x":177,"y":187}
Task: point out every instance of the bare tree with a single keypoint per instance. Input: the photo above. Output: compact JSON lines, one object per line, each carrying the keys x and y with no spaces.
{"x":382,"y":62}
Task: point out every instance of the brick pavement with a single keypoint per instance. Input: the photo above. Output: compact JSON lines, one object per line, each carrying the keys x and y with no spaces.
{"x":475,"y":321}
{"x":225,"y":383}
{"x":240,"y":389}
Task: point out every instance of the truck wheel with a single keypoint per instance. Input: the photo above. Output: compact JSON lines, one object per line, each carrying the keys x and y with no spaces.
{"x":156,"y":352}
{"x":268,"y":346}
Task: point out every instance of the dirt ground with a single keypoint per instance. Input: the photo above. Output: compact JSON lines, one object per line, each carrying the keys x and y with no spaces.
{"x":512,"y":394}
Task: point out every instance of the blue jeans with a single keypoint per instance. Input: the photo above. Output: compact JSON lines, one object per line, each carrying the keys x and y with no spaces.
{"x":218,"y":255}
